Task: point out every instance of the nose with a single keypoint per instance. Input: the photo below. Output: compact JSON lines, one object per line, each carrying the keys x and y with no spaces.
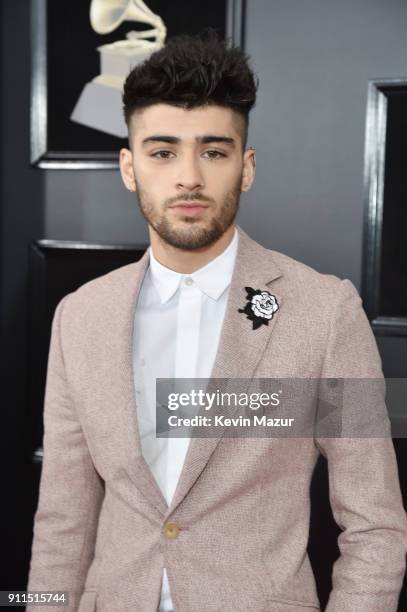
{"x":190,"y":174}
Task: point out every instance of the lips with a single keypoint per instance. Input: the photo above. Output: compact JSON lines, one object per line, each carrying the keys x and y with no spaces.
{"x":189,"y":209}
{"x":190,"y":205}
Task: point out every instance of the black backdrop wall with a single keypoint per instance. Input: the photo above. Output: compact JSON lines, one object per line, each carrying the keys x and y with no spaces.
{"x":22,"y":214}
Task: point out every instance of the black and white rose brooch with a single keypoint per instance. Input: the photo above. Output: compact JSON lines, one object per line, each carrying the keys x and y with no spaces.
{"x":260,"y":307}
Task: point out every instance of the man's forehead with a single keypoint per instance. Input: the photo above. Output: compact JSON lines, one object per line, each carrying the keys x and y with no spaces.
{"x":184,"y":123}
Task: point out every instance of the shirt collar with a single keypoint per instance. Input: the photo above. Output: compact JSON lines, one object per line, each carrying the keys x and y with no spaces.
{"x":212,"y":279}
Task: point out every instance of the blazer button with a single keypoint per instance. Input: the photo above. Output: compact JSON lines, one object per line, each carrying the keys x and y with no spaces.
{"x":171,"y":530}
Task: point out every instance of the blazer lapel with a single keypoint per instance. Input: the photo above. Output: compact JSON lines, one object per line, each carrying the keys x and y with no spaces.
{"x":119,"y":383}
{"x":240,"y":346}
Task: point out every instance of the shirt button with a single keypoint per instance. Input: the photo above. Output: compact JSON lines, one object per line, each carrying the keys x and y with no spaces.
{"x":171,"y":530}
{"x":189,"y":281}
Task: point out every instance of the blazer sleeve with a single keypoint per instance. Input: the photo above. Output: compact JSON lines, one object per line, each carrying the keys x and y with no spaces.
{"x":71,"y":491}
{"x":364,"y":486}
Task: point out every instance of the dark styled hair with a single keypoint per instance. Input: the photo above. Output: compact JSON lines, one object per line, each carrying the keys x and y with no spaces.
{"x":192,"y":71}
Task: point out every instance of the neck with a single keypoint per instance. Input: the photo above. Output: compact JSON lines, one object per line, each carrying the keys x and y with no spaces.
{"x":187,"y":262}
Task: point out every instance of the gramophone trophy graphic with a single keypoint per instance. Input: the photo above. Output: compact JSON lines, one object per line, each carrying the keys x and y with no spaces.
{"x":100,"y":105}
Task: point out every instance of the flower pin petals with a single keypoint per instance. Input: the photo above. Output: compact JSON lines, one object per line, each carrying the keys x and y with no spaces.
{"x":260,"y":307}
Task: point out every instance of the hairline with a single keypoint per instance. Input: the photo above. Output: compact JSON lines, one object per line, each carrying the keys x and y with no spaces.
{"x":239,"y":119}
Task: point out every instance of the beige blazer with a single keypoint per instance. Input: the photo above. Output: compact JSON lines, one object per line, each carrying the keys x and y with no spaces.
{"x":241,"y":510}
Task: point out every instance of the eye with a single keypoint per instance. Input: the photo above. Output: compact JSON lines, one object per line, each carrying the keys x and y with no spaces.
{"x":216,"y":154}
{"x":158,"y":154}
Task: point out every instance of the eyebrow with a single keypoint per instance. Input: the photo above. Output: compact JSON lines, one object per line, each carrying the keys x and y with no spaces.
{"x":200,"y":139}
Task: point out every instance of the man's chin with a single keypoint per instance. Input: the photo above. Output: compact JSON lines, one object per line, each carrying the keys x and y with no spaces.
{"x":189,"y":221}
{"x":182,"y":236}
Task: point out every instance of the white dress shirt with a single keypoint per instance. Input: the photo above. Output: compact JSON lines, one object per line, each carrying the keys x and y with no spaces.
{"x":177,"y":325}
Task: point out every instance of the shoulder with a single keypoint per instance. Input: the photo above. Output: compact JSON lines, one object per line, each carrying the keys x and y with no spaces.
{"x":290,"y":275}
{"x":329,"y":311}
{"x":111,"y":281}
{"x":298,"y":269}
{"x":102,"y":295}
{"x":303,"y":288}
{"x":322,"y":297}
{"x":302,"y":278}
{"x":318,"y":300}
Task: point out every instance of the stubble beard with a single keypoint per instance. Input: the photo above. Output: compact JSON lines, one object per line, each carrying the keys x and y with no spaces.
{"x":191,"y":235}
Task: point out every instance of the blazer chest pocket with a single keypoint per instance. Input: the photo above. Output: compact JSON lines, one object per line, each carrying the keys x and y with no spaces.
{"x":87,"y":602}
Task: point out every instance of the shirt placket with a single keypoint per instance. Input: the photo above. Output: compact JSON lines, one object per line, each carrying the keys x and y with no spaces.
{"x":186,"y":359}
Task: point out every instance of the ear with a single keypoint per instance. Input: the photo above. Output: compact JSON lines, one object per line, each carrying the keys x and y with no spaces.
{"x":126,"y":169}
{"x":249,"y":168}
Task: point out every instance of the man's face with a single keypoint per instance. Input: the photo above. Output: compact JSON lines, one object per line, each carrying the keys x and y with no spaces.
{"x":188,"y":169}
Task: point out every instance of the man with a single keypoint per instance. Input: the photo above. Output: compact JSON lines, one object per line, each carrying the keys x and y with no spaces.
{"x":130,"y":521}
